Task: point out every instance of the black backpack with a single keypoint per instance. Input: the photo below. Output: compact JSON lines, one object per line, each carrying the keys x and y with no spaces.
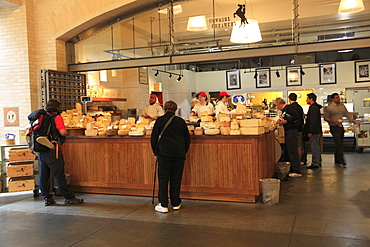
{"x":42,"y":124}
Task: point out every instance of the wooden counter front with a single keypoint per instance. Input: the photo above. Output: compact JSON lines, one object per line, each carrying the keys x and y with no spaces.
{"x":225,"y":168}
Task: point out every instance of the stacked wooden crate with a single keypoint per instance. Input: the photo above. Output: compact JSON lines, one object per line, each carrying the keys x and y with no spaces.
{"x":20,"y":170}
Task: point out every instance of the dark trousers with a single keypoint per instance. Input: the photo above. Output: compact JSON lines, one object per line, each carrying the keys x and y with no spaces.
{"x":304,"y":150}
{"x":338,"y":134}
{"x":291,"y":150}
{"x":48,"y":163}
{"x":170,"y":171}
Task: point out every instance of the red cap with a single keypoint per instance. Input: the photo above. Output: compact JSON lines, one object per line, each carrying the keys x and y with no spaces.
{"x":202,"y":94}
{"x":224,"y":94}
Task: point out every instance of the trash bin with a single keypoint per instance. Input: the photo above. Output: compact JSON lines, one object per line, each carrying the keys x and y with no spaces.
{"x":282,"y":170}
{"x":270,"y":190}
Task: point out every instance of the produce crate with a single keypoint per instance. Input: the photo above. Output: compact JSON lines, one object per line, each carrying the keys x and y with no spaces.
{"x":20,"y":154}
{"x":21,"y":184}
{"x":19,"y":169}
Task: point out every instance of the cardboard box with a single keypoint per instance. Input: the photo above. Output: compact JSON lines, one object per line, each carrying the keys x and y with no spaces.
{"x":19,"y":184}
{"x":20,"y":154}
{"x":19,"y":169}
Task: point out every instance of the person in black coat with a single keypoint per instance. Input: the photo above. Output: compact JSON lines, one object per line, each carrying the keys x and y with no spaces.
{"x":313,"y":130}
{"x":288,"y":119}
{"x":170,"y":148}
{"x":300,"y":125}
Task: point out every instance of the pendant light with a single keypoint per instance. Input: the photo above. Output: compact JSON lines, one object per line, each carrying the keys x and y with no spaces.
{"x":197,"y":23}
{"x":350,"y":6}
{"x":246,"y":33}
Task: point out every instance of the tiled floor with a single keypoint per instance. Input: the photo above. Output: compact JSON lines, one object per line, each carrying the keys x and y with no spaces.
{"x":326,"y":207}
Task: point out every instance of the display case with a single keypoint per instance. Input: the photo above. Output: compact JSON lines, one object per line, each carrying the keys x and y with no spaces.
{"x":349,"y":140}
{"x":363,"y":137}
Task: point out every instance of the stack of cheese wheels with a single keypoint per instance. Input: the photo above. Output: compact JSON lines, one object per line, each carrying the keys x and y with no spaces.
{"x":234,"y":128}
{"x":123,"y":132}
{"x":225,"y":123}
{"x":198,"y":131}
{"x":211,"y":131}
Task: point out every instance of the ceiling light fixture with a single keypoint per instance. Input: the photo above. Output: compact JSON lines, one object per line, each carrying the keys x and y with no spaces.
{"x":255,"y":75}
{"x":277,"y":74}
{"x":197,"y":23}
{"x":179,"y":79}
{"x":350,"y":6}
{"x":170,"y":76}
{"x":177,"y":9}
{"x":156,"y":73}
{"x":302,"y":72}
{"x":246,"y":33}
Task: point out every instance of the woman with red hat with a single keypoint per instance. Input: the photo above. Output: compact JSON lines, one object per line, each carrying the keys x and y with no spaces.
{"x":221,"y":106}
{"x":202,"y":106}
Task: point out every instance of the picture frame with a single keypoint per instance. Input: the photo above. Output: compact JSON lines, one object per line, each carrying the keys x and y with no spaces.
{"x":293,"y":76}
{"x":262,"y":77}
{"x":328,"y":73}
{"x":362,"y":73}
{"x":233,"y":79}
{"x":143,"y":75}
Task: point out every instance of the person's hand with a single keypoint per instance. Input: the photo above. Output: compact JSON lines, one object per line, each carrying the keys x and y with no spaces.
{"x":282,"y":122}
{"x":309,"y":135}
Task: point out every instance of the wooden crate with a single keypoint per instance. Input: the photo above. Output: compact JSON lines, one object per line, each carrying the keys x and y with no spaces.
{"x":19,"y":169}
{"x":20,"y":184}
{"x":21,"y":154}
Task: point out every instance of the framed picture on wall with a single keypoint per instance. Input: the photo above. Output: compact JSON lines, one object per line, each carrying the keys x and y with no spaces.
{"x":362,"y":71}
{"x":233,"y":79}
{"x":293,"y":76}
{"x":262,"y":77}
{"x":328,"y":73}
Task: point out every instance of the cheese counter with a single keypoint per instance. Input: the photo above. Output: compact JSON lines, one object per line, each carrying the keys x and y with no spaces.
{"x":223,"y":168}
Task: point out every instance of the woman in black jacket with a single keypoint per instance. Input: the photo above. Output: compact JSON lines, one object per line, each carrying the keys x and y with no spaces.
{"x":170,"y":148}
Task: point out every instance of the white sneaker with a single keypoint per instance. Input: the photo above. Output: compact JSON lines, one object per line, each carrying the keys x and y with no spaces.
{"x":295,"y":175}
{"x":176,"y":207}
{"x":161,"y":209}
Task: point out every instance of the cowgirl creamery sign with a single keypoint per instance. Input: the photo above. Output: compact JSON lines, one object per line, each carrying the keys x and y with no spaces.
{"x":222,"y":22}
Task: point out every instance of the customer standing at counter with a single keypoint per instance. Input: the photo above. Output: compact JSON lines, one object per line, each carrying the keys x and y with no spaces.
{"x":313,"y":130}
{"x":221,"y":104}
{"x":52,"y":160}
{"x":333,"y":114}
{"x":202,"y":106}
{"x":300,"y":123}
{"x":289,"y":119}
{"x":152,"y":110}
{"x":170,"y":141}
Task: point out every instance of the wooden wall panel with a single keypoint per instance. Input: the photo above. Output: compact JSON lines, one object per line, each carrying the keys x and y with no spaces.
{"x":217,"y":167}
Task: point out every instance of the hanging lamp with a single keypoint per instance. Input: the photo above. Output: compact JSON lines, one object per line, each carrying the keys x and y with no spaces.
{"x":246,"y":33}
{"x":350,"y":6}
{"x":197,"y":23}
{"x":177,"y":9}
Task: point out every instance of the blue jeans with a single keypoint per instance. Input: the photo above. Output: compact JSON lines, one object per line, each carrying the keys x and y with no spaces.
{"x":315,"y":149}
{"x":48,"y":163}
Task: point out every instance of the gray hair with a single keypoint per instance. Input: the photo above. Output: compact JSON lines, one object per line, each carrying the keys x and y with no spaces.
{"x":279,"y":101}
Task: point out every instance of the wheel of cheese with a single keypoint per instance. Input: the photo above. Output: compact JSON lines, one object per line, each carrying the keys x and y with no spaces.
{"x":212,"y":131}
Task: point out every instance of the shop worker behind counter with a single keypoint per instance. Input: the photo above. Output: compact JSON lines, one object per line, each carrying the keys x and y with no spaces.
{"x":170,"y":148}
{"x":288,"y":119}
{"x":333,"y":114}
{"x":153,"y":110}
{"x":50,"y":161}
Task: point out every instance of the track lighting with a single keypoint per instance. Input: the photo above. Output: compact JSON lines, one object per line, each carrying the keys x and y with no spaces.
{"x":170,"y":76}
{"x":255,"y":75}
{"x":179,"y":79}
{"x":156,"y":73}
{"x":302,"y":72}
{"x":277,"y":73}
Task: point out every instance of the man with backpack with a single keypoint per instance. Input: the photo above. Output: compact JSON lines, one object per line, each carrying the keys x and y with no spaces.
{"x":51,"y":159}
